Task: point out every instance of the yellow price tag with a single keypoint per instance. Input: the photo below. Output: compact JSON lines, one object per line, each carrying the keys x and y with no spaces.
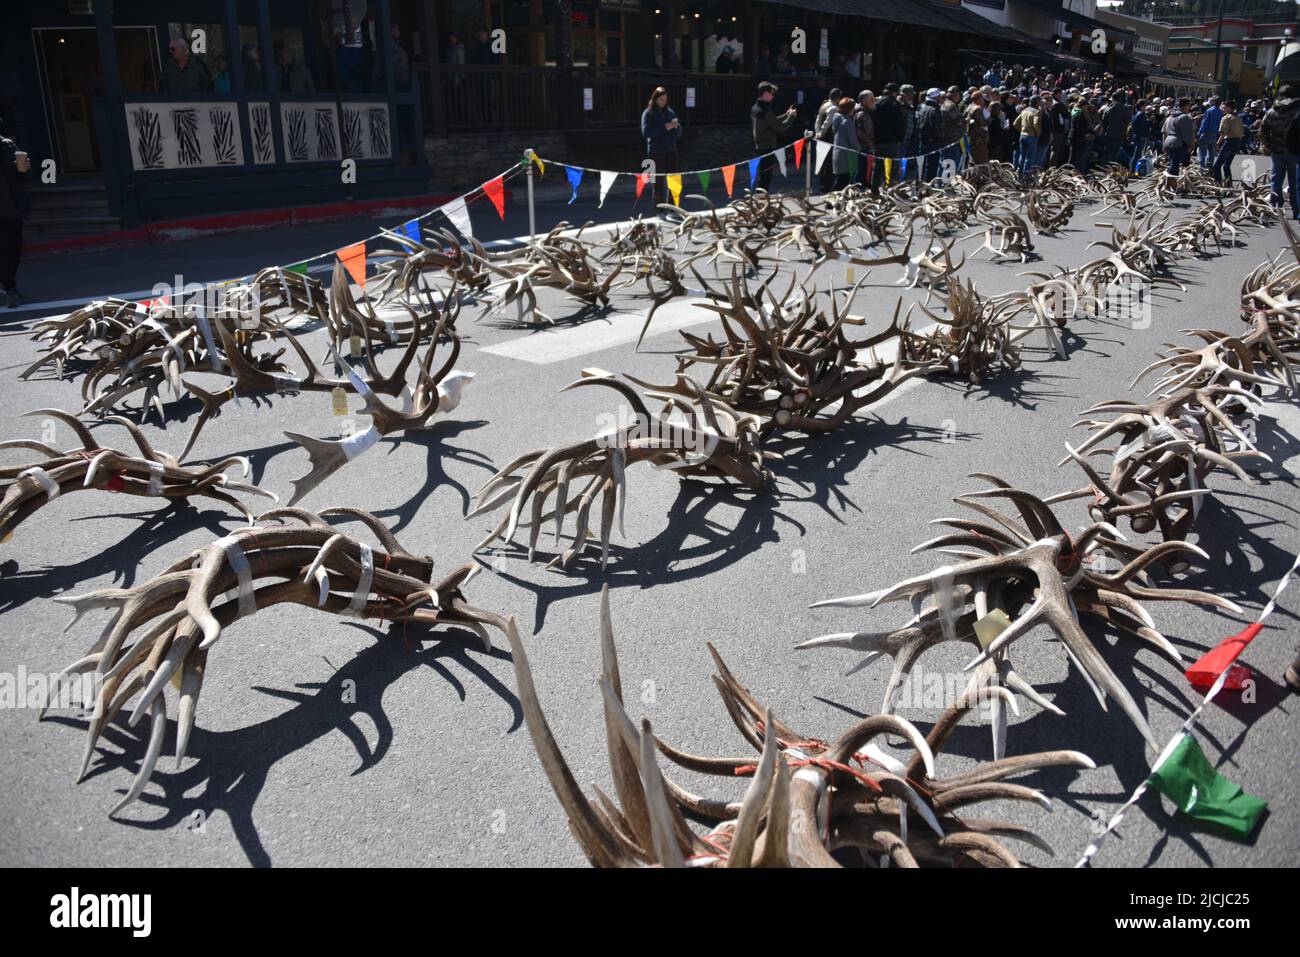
{"x":339,"y":400}
{"x":990,"y":626}
{"x":354,"y":347}
{"x":851,"y":274}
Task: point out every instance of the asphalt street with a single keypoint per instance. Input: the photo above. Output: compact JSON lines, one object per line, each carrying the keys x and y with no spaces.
{"x":322,"y":741}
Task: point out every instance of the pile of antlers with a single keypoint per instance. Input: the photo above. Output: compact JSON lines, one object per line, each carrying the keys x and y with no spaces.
{"x":972,"y":340}
{"x":807,"y":800}
{"x":553,"y":261}
{"x":1013,"y":576}
{"x":163,"y":629}
{"x":786,"y":362}
{"x":26,"y":488}
{"x":699,"y":437}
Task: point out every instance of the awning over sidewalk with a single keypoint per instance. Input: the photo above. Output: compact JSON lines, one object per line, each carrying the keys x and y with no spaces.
{"x":1077,"y":20}
{"x":1174,"y":79}
{"x":918,"y":13}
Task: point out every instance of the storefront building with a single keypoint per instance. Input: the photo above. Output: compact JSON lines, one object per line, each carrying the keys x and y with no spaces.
{"x":164,"y":110}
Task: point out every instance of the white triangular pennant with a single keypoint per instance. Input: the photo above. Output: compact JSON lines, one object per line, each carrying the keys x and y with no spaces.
{"x":459,"y":216}
{"x":780,"y":159}
{"x":606,"y":181}
{"x":824,"y":150}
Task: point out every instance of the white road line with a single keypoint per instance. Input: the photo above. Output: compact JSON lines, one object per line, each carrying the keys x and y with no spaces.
{"x":550,"y":345}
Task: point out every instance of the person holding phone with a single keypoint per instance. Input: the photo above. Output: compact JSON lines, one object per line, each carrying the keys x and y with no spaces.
{"x":661,"y":130}
{"x":14,"y":207}
{"x":769,"y":126}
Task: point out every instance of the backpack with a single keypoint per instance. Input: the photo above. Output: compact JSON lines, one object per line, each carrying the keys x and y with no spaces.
{"x":1292,"y":137}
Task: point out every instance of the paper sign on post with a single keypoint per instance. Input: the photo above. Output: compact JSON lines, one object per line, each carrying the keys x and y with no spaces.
{"x":690,"y":97}
{"x":588,"y":101}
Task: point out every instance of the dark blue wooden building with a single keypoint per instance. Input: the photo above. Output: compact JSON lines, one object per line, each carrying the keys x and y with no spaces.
{"x":155,"y":110}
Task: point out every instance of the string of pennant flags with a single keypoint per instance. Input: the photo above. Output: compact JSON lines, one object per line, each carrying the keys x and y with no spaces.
{"x":895,"y":168}
{"x":1181,"y":772}
{"x":355,"y":258}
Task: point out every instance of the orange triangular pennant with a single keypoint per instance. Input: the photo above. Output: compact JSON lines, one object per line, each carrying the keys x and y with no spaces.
{"x":353,"y":259}
{"x":729,"y":177}
{"x":496,"y":191}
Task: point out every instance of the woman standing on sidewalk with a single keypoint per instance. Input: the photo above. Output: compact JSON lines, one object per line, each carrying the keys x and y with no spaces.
{"x":661,"y":130}
{"x":845,"y":137}
{"x":14,"y":206}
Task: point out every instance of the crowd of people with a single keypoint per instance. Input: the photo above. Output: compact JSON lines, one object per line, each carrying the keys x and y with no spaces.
{"x":1033,"y":119}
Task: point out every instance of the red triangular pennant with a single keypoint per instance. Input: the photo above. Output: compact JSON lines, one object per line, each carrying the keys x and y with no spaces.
{"x":641,"y":180}
{"x":496,"y":191}
{"x":798,"y":152}
{"x":871,"y":165}
{"x":353,"y":259}
{"x":1210,"y":665}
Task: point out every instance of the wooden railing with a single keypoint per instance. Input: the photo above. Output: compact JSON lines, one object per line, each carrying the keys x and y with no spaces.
{"x":501,"y":98}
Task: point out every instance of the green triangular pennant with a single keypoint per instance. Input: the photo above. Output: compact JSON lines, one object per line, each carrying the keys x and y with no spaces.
{"x":704,"y":180}
{"x":853,"y":164}
{"x":1202,"y":793}
{"x":300,"y":268}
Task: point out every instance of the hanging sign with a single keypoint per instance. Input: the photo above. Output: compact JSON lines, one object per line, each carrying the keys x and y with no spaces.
{"x":690,"y":97}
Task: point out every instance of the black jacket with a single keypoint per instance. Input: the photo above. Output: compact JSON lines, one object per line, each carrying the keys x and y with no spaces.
{"x":929,"y":127}
{"x":1276,"y":124}
{"x":14,"y":202}
{"x":654,"y":122}
{"x":769,"y":126}
{"x":891,"y":125}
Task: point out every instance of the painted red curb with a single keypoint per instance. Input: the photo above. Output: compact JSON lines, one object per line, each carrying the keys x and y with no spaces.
{"x":173,"y":230}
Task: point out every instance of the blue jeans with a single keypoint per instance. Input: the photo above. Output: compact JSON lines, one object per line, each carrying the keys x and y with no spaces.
{"x":1222,"y":169}
{"x":1205,"y":149}
{"x":1286,"y":166}
{"x":1040,"y":158}
{"x":1178,"y":156}
{"x":1028,"y":152}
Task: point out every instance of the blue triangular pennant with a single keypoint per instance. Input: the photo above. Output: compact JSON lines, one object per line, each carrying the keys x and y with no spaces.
{"x":411,"y":230}
{"x":575,"y":178}
{"x":753,"y":172}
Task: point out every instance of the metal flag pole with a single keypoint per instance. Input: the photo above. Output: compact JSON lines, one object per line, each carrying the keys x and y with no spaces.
{"x":807,"y":165}
{"x":532,"y":206}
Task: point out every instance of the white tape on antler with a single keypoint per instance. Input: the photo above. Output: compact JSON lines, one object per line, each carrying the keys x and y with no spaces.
{"x":158,"y":327}
{"x":205,"y":329}
{"x":239,"y":563}
{"x":392,"y":330}
{"x":284,"y":286}
{"x":357,"y":606}
{"x":155,"y":478}
{"x":358,"y":383}
{"x":358,"y":442}
{"x":285,"y":383}
{"x":43,"y":478}
{"x":452,"y":388}
{"x":306,"y":284}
